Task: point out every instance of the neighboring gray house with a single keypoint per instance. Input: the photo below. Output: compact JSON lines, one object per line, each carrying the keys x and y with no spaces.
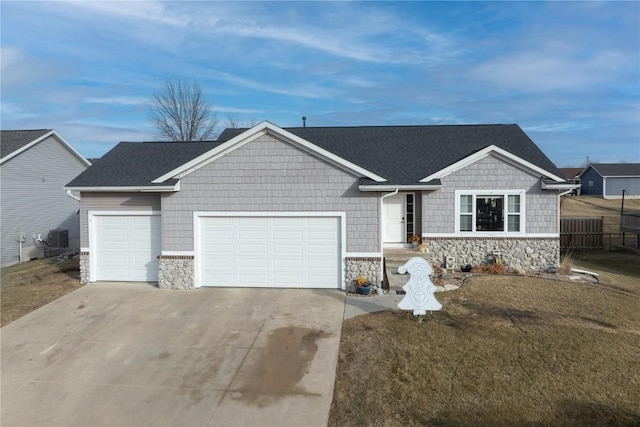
{"x":315,"y":207}
{"x":609,"y":179}
{"x":34,"y":166}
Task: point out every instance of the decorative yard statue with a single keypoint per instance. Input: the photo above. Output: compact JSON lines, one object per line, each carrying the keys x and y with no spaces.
{"x":419,"y":289}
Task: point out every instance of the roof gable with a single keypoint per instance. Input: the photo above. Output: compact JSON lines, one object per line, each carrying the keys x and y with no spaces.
{"x":492,"y":150}
{"x":252,"y":134}
{"x":15,"y":142}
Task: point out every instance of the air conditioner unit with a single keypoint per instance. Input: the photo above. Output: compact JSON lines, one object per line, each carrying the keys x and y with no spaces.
{"x":59,"y":238}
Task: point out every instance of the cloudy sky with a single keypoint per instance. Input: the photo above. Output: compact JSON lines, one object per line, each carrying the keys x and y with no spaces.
{"x":567,"y":72}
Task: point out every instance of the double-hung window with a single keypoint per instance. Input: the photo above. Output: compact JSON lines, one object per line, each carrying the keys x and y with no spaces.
{"x":489,"y":211}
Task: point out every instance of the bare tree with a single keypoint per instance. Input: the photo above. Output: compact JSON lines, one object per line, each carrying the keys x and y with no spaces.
{"x":233,"y":121}
{"x":180,"y":113}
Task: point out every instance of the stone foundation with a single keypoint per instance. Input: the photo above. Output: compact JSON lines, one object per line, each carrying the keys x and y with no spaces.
{"x":534,"y":254}
{"x":175,"y":272}
{"x":370,"y":268}
{"x":84,"y":268}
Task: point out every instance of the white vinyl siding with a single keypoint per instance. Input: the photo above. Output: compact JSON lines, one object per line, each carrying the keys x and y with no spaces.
{"x":33,"y":199}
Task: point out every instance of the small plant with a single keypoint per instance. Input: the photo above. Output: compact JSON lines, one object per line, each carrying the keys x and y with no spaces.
{"x":361,"y":281}
{"x":415,"y":238}
{"x":566,"y":264}
{"x":493,"y":268}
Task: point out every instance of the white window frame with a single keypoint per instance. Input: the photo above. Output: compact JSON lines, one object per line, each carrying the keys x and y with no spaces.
{"x":502,"y":193}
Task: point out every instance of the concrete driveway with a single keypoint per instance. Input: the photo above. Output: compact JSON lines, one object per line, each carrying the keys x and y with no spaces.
{"x":131,"y":354}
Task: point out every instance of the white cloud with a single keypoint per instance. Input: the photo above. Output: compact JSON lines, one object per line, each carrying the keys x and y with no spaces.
{"x":121,"y":100}
{"x":147,"y":10}
{"x":11,"y":111}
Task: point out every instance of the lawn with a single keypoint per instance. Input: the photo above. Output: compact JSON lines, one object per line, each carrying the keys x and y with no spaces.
{"x":503,"y":351}
{"x":28,"y":286}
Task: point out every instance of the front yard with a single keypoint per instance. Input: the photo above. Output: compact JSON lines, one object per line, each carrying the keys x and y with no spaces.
{"x":504,"y":350}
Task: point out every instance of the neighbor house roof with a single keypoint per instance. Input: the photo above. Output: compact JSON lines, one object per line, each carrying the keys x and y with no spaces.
{"x":617,"y":169}
{"x":383,"y":155}
{"x":13,"y":140}
{"x":571,"y":173}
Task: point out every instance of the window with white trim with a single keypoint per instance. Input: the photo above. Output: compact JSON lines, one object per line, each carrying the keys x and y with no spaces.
{"x":491,"y":211}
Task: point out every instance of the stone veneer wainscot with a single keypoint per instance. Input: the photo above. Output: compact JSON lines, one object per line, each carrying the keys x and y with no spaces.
{"x":84,"y":268}
{"x":531,"y":253}
{"x":369,"y":267}
{"x":175,"y":272}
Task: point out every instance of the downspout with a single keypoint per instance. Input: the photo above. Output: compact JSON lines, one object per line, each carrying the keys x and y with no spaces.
{"x":393,"y":193}
{"x":70,"y":194}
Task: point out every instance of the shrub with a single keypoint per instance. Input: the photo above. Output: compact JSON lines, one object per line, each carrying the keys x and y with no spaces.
{"x":494,"y":268}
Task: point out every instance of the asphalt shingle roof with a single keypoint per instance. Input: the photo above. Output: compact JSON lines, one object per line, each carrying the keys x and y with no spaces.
{"x":133,"y":164}
{"x":406,"y":154}
{"x":617,"y":169}
{"x":401,"y":154}
{"x":13,"y":140}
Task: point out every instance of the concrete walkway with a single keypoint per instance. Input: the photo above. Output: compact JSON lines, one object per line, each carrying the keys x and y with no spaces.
{"x":131,"y":354}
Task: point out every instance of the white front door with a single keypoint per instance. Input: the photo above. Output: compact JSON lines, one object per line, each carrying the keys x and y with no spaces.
{"x":394,"y":219}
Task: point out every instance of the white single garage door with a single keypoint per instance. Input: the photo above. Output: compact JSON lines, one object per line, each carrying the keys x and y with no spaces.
{"x":280,"y":251}
{"x":127,"y":247}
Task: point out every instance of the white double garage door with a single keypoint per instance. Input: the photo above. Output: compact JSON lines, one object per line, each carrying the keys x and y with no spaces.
{"x":285,"y":250}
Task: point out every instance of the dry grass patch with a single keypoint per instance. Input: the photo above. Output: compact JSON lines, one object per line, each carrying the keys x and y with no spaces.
{"x":504,"y":350}
{"x":28,"y":286}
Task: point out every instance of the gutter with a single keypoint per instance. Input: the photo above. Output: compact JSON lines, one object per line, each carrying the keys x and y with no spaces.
{"x":396,"y":188}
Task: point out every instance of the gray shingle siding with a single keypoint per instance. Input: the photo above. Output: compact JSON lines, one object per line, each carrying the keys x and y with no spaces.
{"x":490,"y":173}
{"x":114,"y":202}
{"x":270,"y":175}
{"x":33,"y":198}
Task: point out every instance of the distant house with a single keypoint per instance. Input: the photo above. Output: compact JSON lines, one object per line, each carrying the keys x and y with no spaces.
{"x":34,"y":167}
{"x":316,"y":207}
{"x":609,"y":179}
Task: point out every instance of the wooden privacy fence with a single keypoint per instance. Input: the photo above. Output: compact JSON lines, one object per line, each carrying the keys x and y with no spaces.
{"x":581,"y":233}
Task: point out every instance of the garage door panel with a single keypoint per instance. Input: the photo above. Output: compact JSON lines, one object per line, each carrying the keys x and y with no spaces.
{"x":127,"y":247}
{"x":251,"y":248}
{"x":293,"y":249}
{"x":269,"y":251}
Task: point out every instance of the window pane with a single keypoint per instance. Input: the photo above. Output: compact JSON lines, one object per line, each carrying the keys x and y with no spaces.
{"x":466,"y":204}
{"x":513,"y":223}
{"x":489,"y":213}
{"x":514,"y":204}
{"x":465,"y":222}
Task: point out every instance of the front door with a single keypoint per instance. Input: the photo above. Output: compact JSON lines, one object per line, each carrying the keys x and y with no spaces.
{"x":394,"y":219}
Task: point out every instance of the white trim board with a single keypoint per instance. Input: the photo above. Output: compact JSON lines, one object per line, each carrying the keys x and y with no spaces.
{"x":488,"y":151}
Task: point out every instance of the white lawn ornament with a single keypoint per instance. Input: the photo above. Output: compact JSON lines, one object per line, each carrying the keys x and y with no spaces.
{"x":419,"y":289}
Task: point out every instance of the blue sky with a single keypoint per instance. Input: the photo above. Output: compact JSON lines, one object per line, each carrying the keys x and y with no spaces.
{"x":567,"y":72}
